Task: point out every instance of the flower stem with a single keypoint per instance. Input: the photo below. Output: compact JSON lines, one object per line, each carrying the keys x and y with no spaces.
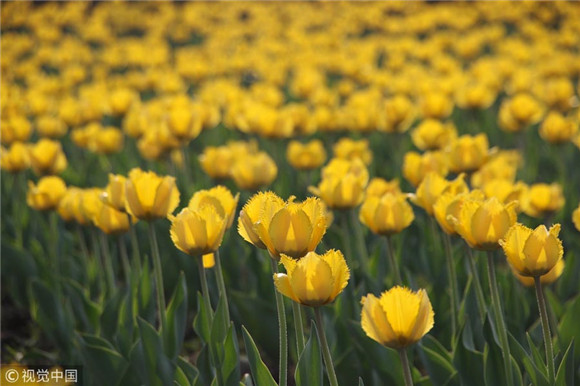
{"x":478,"y":288}
{"x":124,"y":259}
{"x":363,"y":254}
{"x":406,"y":368}
{"x":393,"y":261}
{"x":325,"y":349}
{"x":158,"y":275}
{"x":452,"y":277}
{"x":220,"y":281}
{"x":298,"y":328}
{"x":53,"y":218}
{"x":282,"y":332}
{"x":499,"y":322}
{"x":545,"y":330}
{"x":134,"y":245}
{"x":107,"y":262}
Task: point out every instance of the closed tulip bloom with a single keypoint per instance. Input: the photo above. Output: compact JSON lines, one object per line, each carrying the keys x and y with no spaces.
{"x":108,"y":140}
{"x":576,"y":218}
{"x":468,"y":153}
{"x":149,"y":196}
{"x":110,"y":220}
{"x":340,"y":192}
{"x":379,"y":186}
{"x":260,"y":207}
{"x":482,"y":224}
{"x":347,"y":148}
{"x":314,"y":280}
{"x":47,"y":157}
{"x":546,"y":279}
{"x":16,"y":158}
{"x":558,"y":129}
{"x":69,"y":204}
{"x":416,"y":166}
{"x":216,"y":162}
{"x":254,"y":171}
{"x":399,"y":318}
{"x":306,"y":156}
{"x":530,"y":252}
{"x":525,"y":109}
{"x":505,"y":190}
{"x":220,"y":197}
{"x":386,"y":215}
{"x":47,"y":194}
{"x":433,"y":186}
{"x":15,"y":128}
{"x":436,"y":105}
{"x":475,"y":95}
{"x":114,"y":194}
{"x":433,"y":134}
{"x":51,"y":127}
{"x":542,"y":199}
{"x":198,"y":232}
{"x":502,"y":165}
{"x":399,"y":114}
{"x":120,"y":101}
{"x":448,"y":206}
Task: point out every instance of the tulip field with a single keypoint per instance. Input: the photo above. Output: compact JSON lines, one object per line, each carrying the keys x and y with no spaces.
{"x":290,"y":193}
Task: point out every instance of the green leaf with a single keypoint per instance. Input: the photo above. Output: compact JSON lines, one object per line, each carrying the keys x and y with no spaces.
{"x":360,"y":382}
{"x":204,"y":366}
{"x":200,"y":323}
{"x":494,"y":371}
{"x":176,"y":318}
{"x":146,"y":302}
{"x":309,"y":368}
{"x":536,"y":356}
{"x":247,"y":380}
{"x":260,"y":372}
{"x":230,"y":366}
{"x":180,"y":378}
{"x":219,"y":328}
{"x":106,"y":366}
{"x":467,"y":360}
{"x":110,"y":315}
{"x":188,"y":369}
{"x":86,"y":311}
{"x":437,"y":361}
{"x":569,"y":327}
{"x":565,"y":374}
{"x":536,"y":375}
{"x":159,"y":368}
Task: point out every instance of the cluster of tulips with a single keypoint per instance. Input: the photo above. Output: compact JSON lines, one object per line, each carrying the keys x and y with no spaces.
{"x":357,"y":145}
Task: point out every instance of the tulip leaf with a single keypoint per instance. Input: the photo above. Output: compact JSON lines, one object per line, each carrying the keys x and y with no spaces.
{"x":360,"y":382}
{"x":565,"y":374}
{"x":437,"y":362}
{"x":493,"y":364}
{"x":467,"y":360}
{"x":200,"y":323}
{"x":569,"y":327}
{"x":247,"y":380}
{"x":87,"y":312}
{"x":219,"y":327}
{"x":259,"y":370}
{"x":190,"y":371}
{"x":309,"y":369}
{"x":105,"y":365}
{"x":230,"y":366}
{"x":159,"y":368}
{"x":536,"y":375}
{"x":204,"y":367}
{"x":176,"y":318}
{"x":146,"y":303}
{"x":180,"y":378}
{"x":110,"y":315}
{"x":536,"y":356}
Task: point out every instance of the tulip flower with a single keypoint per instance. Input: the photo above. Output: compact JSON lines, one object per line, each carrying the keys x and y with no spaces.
{"x":107,"y":141}
{"x":47,"y":157}
{"x":547,"y":278}
{"x":505,"y":191}
{"x":198,"y":231}
{"x":433,"y":134}
{"x":433,"y":186}
{"x":468,"y":153}
{"x":306,"y":156}
{"x":378,"y":187}
{"x":343,"y":183}
{"x":47,"y":194}
{"x":448,"y":206}
{"x":16,"y":158}
{"x":149,"y":196}
{"x":543,"y":199}
{"x":114,"y":194}
{"x":416,"y":166}
{"x":313,"y":280}
{"x":254,"y":171}
{"x":69,"y":204}
{"x":110,"y":220}
{"x":386,"y":215}
{"x":399,"y":114}
{"x":50,"y":127}
{"x":558,"y":129}
{"x":436,"y":105}
{"x":349,"y":149}
{"x":220,"y":197}
{"x":17,"y":128}
{"x":576,"y":218}
{"x":261,"y":207}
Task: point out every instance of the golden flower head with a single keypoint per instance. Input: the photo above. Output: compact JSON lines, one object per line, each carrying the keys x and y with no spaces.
{"x":254,"y":171}
{"x":399,"y":318}
{"x":314,"y":280}
{"x":379,"y":186}
{"x":532,"y":252}
{"x":343,"y":183}
{"x":399,"y":114}
{"x":260,"y":207}
{"x":433,"y":134}
{"x":306,"y":156}
{"x":198,"y":231}
{"x":505,"y":190}
{"x":114,"y":194}
{"x":16,"y":158}
{"x":386,"y":215}
{"x":436,"y":105}
{"x":482,"y":224}
{"x":107,"y":141}
{"x":149,"y":196}
{"x":349,"y":149}
{"x":545,"y":279}
{"x":576,"y":218}
{"x":416,"y":166}
{"x":468,"y":153}
{"x":110,"y":220}
{"x":70,"y":204}
{"x":448,"y":206}
{"x":220,"y":197}
{"x":432,"y":186}
{"x":47,"y":194}
{"x":558,"y":129}
{"x":542,"y":199}
{"x":47,"y":157}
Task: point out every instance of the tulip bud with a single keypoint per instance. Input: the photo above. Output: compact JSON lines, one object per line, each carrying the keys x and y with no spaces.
{"x":16,"y":158}
{"x":306,"y":156}
{"x":47,"y":157}
{"x":198,"y":231}
{"x":47,"y":194}
{"x":386,"y":215}
{"x":149,"y":196}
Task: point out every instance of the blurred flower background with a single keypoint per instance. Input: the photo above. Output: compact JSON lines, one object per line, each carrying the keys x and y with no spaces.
{"x":402,"y":172}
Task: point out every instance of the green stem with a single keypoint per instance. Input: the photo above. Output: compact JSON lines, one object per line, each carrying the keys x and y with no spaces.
{"x":545,"y":330}
{"x":360,"y":241}
{"x":282,"y":331}
{"x":18,"y":190}
{"x":478,"y":289}
{"x":124,"y":259}
{"x":158,"y":275}
{"x":98,"y":261}
{"x":204,"y":287}
{"x":499,"y":322}
{"x":452,"y":277}
{"x":108,"y":264}
{"x":84,"y":251}
{"x":220,"y":281}
{"x":406,"y":367}
{"x":53,"y":218}
{"x":325,"y":349}
{"x":298,"y":328}
{"x":393,"y":261}
{"x":134,"y":245}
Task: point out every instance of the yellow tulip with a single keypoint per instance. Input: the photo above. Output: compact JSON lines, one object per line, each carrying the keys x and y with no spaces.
{"x":110,"y":220}
{"x":386,"y":215}
{"x":220,"y":197}
{"x":254,"y":171}
{"x":416,"y":166}
{"x":475,"y":95}
{"x":433,"y":134}
{"x":576,"y":218}
{"x":114,"y":194}
{"x":15,"y":128}
{"x":482,"y":224}
{"x":314,"y":280}
{"x":89,"y":205}
{"x":436,"y":105}
{"x":399,"y":114}
{"x":51,"y":127}
{"x":69,"y":204}
{"x":543,"y":199}
{"x":16,"y":158}
{"x":47,"y":194}
{"x":505,"y":191}
{"x":108,"y":140}
{"x":468,"y":153}
{"x":433,"y":186}
{"x":379,"y":186}
{"x":149,"y":196}
{"x":260,"y":207}
{"x":398,"y":318}
{"x":47,"y":157}
{"x":448,"y":206}
{"x":198,"y":231}
{"x":120,"y":101}
{"x":532,"y":252}
{"x":502,"y":165}
{"x":306,"y":156}
{"x":343,"y":183}
{"x":349,"y":149}
{"x":558,"y":129}
{"x":547,"y":278}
